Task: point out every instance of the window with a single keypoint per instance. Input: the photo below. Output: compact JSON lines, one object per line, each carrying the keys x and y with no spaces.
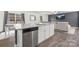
{"x":15,"y":18}
{"x":32,"y":17}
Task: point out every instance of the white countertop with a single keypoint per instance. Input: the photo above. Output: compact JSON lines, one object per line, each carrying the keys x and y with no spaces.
{"x":25,"y":26}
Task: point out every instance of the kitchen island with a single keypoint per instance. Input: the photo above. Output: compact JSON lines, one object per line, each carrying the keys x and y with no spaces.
{"x":37,"y":33}
{"x":44,"y":31}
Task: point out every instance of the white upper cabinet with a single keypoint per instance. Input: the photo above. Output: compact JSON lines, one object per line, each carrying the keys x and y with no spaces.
{"x":1,"y":20}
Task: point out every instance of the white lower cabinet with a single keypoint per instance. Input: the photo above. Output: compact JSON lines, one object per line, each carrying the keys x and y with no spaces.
{"x":41,"y":34}
{"x":51,"y":29}
{"x":45,"y":31}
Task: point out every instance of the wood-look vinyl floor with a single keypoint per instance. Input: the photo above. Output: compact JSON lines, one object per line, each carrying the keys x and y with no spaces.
{"x":62,"y":39}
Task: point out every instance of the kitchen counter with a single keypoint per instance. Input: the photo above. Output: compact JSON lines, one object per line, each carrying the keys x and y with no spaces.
{"x":5,"y":35}
{"x":17,"y":27}
{"x":26,"y":26}
{"x":47,"y":28}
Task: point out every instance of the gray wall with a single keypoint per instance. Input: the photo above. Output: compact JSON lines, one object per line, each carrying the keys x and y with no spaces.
{"x":71,"y":17}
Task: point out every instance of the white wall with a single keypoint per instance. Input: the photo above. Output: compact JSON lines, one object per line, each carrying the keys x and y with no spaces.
{"x":45,"y":17}
{"x":27,"y":17}
{"x":1,"y":20}
{"x":37,"y":14}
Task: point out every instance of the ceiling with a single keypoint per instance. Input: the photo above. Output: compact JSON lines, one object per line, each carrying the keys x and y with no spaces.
{"x":43,"y":12}
{"x":51,"y":12}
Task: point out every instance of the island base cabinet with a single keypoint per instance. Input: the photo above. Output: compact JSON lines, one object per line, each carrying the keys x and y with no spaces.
{"x":51,"y":30}
{"x":41,"y":34}
{"x":45,"y":32}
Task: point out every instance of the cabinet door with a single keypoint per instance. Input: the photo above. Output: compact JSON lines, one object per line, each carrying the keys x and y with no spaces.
{"x":34,"y":38}
{"x":47,"y":34}
{"x":51,"y":29}
{"x":41,"y":34}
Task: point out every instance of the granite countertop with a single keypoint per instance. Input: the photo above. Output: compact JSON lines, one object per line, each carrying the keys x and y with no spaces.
{"x":25,"y":26}
{"x":45,"y":24}
{"x":10,"y":33}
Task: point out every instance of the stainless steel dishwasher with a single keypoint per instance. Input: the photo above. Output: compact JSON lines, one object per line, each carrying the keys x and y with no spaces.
{"x":30,"y":37}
